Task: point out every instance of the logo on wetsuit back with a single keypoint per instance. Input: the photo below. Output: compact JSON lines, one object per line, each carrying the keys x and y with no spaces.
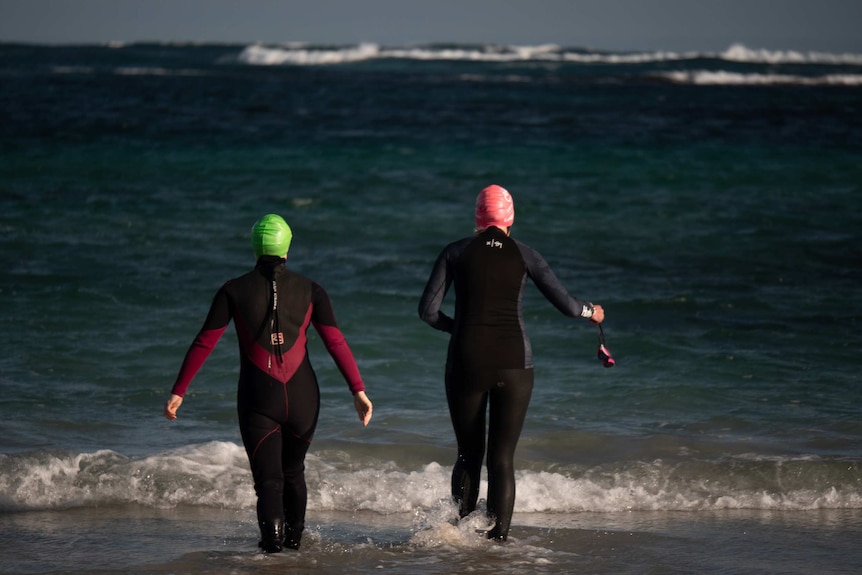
{"x":277,"y":338}
{"x":494,"y":244}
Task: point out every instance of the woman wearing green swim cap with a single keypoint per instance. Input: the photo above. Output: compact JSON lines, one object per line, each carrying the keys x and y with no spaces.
{"x":278,"y":399}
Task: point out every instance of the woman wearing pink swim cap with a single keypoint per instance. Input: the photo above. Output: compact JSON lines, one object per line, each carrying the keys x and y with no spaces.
{"x":494,"y":207}
{"x":490,"y":361}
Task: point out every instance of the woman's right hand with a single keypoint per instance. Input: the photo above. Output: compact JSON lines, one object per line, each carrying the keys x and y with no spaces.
{"x":598,"y":314}
{"x":363,"y":406}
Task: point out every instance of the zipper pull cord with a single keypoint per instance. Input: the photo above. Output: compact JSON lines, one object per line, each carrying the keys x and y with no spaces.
{"x":274,"y":338}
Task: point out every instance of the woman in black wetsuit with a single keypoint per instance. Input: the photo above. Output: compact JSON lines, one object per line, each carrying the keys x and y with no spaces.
{"x":490,"y":362}
{"x":278,"y":399}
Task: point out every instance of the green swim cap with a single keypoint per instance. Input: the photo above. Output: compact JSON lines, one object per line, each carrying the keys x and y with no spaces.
{"x":271,"y":236}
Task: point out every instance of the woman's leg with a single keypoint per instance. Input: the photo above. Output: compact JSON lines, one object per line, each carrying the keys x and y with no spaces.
{"x":467,"y":407}
{"x":262,"y":439}
{"x":303,"y":410}
{"x":509,"y":399}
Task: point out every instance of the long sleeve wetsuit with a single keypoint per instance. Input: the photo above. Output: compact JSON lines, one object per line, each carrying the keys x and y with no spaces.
{"x":489,"y":359}
{"x":278,"y":399}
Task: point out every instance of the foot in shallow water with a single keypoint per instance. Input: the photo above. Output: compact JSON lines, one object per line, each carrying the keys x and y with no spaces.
{"x":494,"y":535}
{"x":270,"y":546}
{"x":271,"y":536}
{"x":292,"y":537}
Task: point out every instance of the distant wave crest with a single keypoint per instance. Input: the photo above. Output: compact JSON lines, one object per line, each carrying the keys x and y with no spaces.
{"x":740,"y":53}
{"x":311,"y":55}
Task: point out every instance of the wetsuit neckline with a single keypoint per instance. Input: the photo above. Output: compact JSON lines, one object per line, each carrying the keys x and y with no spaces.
{"x":493,"y":230}
{"x":266,"y":261}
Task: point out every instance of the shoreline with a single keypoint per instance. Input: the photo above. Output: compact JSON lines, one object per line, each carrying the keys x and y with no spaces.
{"x":140,"y":540}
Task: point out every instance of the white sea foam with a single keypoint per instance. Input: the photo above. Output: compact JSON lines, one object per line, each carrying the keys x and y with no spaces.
{"x":210,"y":474}
{"x":704,"y":77}
{"x":305,"y":56}
{"x":216,"y":474}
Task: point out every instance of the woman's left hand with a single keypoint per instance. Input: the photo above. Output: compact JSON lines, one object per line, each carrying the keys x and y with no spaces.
{"x":172,"y":405}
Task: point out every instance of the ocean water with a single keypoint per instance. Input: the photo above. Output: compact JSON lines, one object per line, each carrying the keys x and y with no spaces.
{"x":710,"y":202}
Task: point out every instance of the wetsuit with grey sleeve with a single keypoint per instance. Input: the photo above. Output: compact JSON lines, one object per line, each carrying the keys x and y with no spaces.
{"x":490,"y":361}
{"x":490,"y":271}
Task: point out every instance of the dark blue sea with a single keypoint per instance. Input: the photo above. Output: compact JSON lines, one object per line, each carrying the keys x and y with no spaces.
{"x":711,"y":202}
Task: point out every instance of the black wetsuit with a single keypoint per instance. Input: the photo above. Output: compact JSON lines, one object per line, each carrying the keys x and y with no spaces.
{"x":278,"y":399}
{"x":489,"y":358}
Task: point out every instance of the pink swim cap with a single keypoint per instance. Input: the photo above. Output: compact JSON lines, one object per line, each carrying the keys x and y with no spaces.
{"x":494,"y":207}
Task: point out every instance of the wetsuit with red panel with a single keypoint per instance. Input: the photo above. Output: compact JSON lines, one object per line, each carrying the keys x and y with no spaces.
{"x":278,"y":398}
